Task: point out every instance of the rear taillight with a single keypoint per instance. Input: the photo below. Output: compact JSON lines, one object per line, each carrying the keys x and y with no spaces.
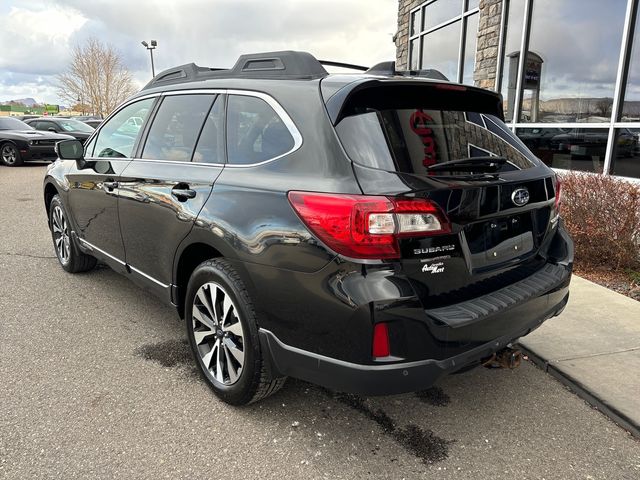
{"x":362,"y":226}
{"x":558,"y":200}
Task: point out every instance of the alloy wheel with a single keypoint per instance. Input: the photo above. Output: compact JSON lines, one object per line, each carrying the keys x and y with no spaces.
{"x":9,"y":154}
{"x":218,"y":333}
{"x":61,"y":234}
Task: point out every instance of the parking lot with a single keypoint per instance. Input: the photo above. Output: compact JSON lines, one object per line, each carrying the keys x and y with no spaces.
{"x":97,"y":382}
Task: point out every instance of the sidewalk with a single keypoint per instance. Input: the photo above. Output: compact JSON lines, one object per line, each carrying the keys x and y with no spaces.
{"x":594,"y":348}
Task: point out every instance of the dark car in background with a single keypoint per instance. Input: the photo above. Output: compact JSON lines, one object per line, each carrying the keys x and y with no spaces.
{"x":584,"y":143}
{"x":69,"y":126}
{"x":369,"y":232}
{"x":26,"y":117}
{"x":93,"y":122}
{"x":19,"y":142}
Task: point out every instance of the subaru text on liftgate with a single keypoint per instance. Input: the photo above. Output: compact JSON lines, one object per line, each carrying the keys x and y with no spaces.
{"x":368,"y":232}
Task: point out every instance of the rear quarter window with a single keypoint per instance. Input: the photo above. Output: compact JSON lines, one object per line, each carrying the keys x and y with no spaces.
{"x":255,"y":132}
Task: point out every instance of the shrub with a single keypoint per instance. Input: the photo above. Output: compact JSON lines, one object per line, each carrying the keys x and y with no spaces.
{"x":602,"y":214}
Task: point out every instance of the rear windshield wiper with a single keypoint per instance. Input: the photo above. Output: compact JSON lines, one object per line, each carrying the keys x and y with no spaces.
{"x":471,"y":164}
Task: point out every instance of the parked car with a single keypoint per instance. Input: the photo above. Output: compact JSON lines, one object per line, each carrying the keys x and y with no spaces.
{"x":77,"y":129}
{"x":93,"y":122}
{"x":581,"y":143}
{"x":26,"y":117}
{"x":19,"y":142}
{"x":83,"y":118}
{"x":332,"y":228}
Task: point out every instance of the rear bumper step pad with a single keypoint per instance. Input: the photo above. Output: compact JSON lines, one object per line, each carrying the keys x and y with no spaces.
{"x":464,"y":313}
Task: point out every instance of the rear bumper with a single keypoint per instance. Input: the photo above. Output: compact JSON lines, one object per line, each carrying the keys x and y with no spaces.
{"x":319,"y":326}
{"x":396,"y":378}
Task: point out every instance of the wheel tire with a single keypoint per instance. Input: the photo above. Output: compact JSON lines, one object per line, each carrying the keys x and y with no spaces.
{"x":238,"y":328}
{"x":67,"y":252}
{"x":10,"y":155}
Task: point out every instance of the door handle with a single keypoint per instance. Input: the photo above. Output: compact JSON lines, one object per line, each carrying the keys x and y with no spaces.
{"x":110,"y":185}
{"x":183,"y":192}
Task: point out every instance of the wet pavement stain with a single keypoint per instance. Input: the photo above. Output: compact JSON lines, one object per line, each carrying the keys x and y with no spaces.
{"x":172,"y":353}
{"x":424,"y":444}
{"x":434,"y":396}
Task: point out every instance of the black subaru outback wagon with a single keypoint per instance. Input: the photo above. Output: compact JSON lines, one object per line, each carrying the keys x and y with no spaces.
{"x":368,"y":232}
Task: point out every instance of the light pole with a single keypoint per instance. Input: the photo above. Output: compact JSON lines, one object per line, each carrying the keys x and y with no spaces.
{"x":81,"y":103}
{"x":151,"y":48}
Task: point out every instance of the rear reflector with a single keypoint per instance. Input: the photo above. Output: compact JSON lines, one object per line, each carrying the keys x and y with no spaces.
{"x":363,"y":226}
{"x":381,"y":341}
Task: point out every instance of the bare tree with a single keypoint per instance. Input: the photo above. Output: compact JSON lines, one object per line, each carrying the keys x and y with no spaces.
{"x":603,"y":106}
{"x":95,"y":78}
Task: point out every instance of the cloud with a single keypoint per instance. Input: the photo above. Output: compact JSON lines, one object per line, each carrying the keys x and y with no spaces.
{"x":209,"y":33}
{"x":33,"y":41}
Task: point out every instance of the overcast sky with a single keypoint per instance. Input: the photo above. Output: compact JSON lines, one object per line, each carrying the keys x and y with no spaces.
{"x":36,"y":35}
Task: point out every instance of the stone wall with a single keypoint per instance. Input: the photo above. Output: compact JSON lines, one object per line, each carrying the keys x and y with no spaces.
{"x":402,"y":37}
{"x":487,"y":46}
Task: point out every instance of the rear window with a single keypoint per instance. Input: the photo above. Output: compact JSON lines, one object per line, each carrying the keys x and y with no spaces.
{"x":411,"y":139}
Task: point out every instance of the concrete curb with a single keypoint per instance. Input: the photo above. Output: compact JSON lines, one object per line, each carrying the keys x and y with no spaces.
{"x":576,"y":387}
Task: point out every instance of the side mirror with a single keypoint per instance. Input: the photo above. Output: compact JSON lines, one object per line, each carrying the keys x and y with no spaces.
{"x":51,"y":129}
{"x":70,"y":150}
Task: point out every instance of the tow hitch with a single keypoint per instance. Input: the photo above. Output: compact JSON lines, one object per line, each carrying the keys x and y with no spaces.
{"x":505,"y":358}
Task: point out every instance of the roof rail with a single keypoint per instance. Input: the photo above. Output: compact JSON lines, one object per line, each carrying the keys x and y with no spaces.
{"x":285,"y":64}
{"x":331,"y":63}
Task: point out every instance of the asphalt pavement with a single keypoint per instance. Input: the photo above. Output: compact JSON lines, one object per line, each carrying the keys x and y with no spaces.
{"x":96,"y":381}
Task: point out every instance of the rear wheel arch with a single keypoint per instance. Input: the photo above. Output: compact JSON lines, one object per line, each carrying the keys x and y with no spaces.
{"x":190,"y":257}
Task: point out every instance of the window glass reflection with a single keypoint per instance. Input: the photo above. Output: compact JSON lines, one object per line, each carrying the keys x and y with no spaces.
{"x":415,"y":22}
{"x":631,"y":106}
{"x":626,"y":156}
{"x":413,"y":54}
{"x":512,"y":39}
{"x":571,"y":68}
{"x":441,"y":11}
{"x":567,"y":148}
{"x":470,"y":49}
{"x":471,"y":4}
{"x":440,"y":50}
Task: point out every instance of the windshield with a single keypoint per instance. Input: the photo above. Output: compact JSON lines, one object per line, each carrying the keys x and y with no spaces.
{"x":8,"y":123}
{"x":75,"y":126}
{"x":411,"y":140}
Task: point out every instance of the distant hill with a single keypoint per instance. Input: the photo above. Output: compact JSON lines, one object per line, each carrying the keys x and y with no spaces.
{"x":29,"y":102}
{"x":583,"y":106}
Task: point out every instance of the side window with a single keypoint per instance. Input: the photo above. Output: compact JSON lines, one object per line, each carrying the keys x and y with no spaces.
{"x":176,"y":127}
{"x":255,"y":132}
{"x":210,"y":148}
{"x":118,"y":135}
{"x":40,"y":125}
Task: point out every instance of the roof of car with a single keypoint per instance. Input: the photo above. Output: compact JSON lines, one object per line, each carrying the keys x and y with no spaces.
{"x":283,"y":65}
{"x":49,"y":118}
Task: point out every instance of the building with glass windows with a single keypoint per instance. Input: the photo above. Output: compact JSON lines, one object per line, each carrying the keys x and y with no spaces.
{"x":573,"y":99}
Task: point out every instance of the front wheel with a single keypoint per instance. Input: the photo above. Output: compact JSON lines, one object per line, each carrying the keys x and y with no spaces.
{"x":69,"y":256}
{"x":223,"y":334}
{"x":10,"y":156}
